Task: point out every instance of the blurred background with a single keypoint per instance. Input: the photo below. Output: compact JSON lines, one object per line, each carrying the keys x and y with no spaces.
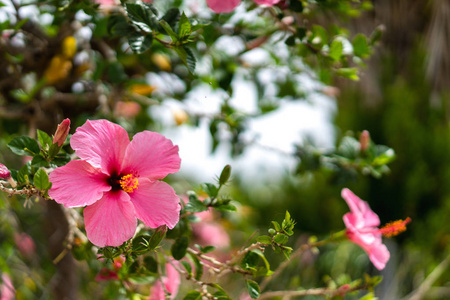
{"x":275,"y":110}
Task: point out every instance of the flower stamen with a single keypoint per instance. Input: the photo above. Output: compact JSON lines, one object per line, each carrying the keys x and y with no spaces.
{"x":394,"y":228}
{"x":129,"y":183}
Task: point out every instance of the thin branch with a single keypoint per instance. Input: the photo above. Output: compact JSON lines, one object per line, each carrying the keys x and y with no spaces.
{"x":341,"y":291}
{"x":29,"y":191}
{"x":419,"y":293}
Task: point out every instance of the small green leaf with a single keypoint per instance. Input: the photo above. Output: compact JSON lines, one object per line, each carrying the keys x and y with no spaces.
{"x":225,"y":207}
{"x":40,"y":180}
{"x":24,"y":145}
{"x":39,"y":161}
{"x":139,"y":15}
{"x":281,"y":239}
{"x":187,"y":266}
{"x":193,"y":295}
{"x":157,"y":237}
{"x":44,"y":138}
{"x":350,"y":73}
{"x":194,"y":205}
{"x":151,"y":264}
{"x":276,"y":225}
{"x":169,"y":30}
{"x":360,"y":46}
{"x":140,"y":43}
{"x":336,"y":49}
{"x":179,"y":248}
{"x":210,"y":189}
{"x":184,"y":27}
{"x":140,"y":244}
{"x":265,"y":239}
{"x":252,"y":288}
{"x":171,"y":16}
{"x":24,"y":174}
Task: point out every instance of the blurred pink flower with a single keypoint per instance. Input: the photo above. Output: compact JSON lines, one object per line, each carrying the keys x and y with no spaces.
{"x":7,"y":290}
{"x":226,"y":6}
{"x":210,"y":233}
{"x":171,"y":283}
{"x":108,"y":274}
{"x":127,"y":109}
{"x":361,"y":223}
{"x":25,"y":244}
{"x":223,"y":6}
{"x":118,"y":181}
{"x":267,"y":2}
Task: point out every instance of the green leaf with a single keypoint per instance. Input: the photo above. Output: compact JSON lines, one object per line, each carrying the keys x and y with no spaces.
{"x":157,"y":237}
{"x":187,"y":266}
{"x":252,"y":288}
{"x":193,"y":295}
{"x":44,"y":138}
{"x":360,"y":46}
{"x":140,"y":244}
{"x":194,"y":205}
{"x":169,"y":31}
{"x":179,"y":248}
{"x":119,"y":26}
{"x":39,"y":161}
{"x":171,"y":16}
{"x":198,"y":267}
{"x":276,"y":225}
{"x":24,"y":173}
{"x":281,"y":239}
{"x":264,"y":239}
{"x":139,"y":16}
{"x":350,"y":73}
{"x":151,"y":264}
{"x":184,"y":27}
{"x":225,"y":207}
{"x":40,"y":180}
{"x":187,"y":57}
{"x":210,"y":189}
{"x":140,"y":43}
{"x":387,"y":155}
{"x":336,"y":49}
{"x":24,"y":145}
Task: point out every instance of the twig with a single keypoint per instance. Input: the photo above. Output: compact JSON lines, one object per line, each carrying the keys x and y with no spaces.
{"x":313,"y":292}
{"x":284,"y":264}
{"x":25,"y":191}
{"x":419,"y":293}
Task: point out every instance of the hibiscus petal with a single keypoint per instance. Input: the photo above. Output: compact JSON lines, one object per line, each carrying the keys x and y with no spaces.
{"x":379,"y":256}
{"x":111,"y":220}
{"x":77,"y":184}
{"x":223,"y":6}
{"x":151,"y":155}
{"x":361,"y":210}
{"x":157,"y":291}
{"x":156,"y":203}
{"x":173,"y":280}
{"x":102,"y":144}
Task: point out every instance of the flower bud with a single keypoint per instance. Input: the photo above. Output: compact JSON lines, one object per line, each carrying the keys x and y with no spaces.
{"x":364,"y":140}
{"x":62,"y":132}
{"x":6,"y":174}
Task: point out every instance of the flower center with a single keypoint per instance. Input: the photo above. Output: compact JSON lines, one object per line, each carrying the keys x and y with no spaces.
{"x":394,"y":228}
{"x":129,"y":183}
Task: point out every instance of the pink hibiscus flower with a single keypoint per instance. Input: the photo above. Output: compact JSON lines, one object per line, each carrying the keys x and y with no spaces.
{"x":361,"y":223}
{"x":171,"y":284}
{"x":117,"y":179}
{"x":362,"y":229}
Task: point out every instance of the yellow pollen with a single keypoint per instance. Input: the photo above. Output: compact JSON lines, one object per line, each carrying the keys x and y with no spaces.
{"x":394,"y":228}
{"x":129,"y":183}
